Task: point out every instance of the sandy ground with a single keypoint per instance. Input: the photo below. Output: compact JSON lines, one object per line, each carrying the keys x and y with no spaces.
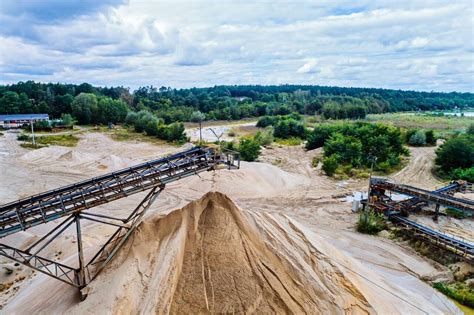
{"x":222,"y":131}
{"x":289,"y":244}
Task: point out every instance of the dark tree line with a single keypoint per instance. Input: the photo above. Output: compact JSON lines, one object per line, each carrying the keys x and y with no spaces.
{"x":223,"y":102}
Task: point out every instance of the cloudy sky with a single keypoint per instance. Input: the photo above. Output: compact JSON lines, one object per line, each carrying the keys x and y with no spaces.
{"x":404,"y":44}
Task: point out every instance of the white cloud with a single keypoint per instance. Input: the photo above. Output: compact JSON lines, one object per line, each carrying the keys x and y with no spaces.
{"x":309,"y":67}
{"x":403,"y":44}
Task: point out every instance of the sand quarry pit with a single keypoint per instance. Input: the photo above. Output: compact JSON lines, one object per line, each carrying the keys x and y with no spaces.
{"x":213,"y":257}
{"x":276,"y":239}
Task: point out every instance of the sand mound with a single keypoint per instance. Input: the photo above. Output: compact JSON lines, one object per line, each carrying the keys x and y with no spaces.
{"x":210,"y":257}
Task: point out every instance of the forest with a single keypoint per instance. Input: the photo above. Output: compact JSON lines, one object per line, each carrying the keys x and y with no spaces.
{"x":99,"y":105}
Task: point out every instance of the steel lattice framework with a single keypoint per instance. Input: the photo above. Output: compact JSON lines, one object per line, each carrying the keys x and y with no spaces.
{"x":72,"y":202}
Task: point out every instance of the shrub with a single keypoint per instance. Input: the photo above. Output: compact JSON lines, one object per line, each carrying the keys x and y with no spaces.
{"x":23,"y":137}
{"x":249,"y":150}
{"x":466,"y":174}
{"x":430,"y":137}
{"x":456,"y":153}
{"x":409,"y":133}
{"x":330,"y":165}
{"x":264,"y":137}
{"x":266,"y":121}
{"x":370,"y":222}
{"x":470,"y":129}
{"x":418,"y":139}
{"x":175,"y":132}
{"x":131,"y":118}
{"x":288,"y":128}
{"x":319,"y":135}
{"x":349,"y":149}
{"x":66,"y":120}
{"x":458,"y":293}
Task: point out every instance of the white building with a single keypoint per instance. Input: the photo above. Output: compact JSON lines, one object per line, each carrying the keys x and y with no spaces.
{"x":18,"y":120}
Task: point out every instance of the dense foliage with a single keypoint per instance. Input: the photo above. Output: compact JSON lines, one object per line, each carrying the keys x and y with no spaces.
{"x":370,"y":222}
{"x":221,"y":102}
{"x":144,"y":121}
{"x":356,"y":145}
{"x":457,"y":291}
{"x":284,"y":127}
{"x":455,"y":158}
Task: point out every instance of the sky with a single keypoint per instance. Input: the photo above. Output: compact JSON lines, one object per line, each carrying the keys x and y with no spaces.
{"x":404,"y":44}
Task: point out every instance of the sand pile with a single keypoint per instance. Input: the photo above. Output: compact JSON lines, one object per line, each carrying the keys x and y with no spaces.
{"x":211,"y":257}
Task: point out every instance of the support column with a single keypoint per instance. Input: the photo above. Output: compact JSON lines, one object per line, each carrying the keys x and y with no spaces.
{"x":436,"y":212}
{"x":80,"y":272}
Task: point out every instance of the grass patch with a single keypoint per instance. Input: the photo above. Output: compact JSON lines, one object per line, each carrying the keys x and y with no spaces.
{"x":289,"y":142}
{"x":122,"y":133}
{"x":28,"y":145}
{"x":370,"y":222}
{"x":62,"y":140}
{"x":455,"y":213}
{"x":447,"y":124}
{"x":458,"y":292}
{"x":44,"y":141}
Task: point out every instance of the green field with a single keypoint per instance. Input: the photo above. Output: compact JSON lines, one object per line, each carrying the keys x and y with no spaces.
{"x":424,"y":121}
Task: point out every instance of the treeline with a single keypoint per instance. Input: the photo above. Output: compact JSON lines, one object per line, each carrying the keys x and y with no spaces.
{"x":222,"y":102}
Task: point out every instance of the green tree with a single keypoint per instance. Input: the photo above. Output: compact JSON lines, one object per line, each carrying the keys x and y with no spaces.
{"x":347,"y":148}
{"x":418,"y":139}
{"x":319,"y":135}
{"x":10,"y":103}
{"x":330,"y":164}
{"x":430,"y":137}
{"x":66,"y":120}
{"x":176,"y":132}
{"x":456,"y":153}
{"x":198,"y":117}
{"x":265,"y":137}
{"x":249,"y":150}
{"x":84,"y":108}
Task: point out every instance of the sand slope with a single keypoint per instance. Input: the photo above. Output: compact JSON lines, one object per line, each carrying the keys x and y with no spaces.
{"x":210,"y":257}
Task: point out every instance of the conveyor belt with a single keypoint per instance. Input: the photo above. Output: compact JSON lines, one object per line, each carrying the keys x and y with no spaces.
{"x":455,"y":245}
{"x":425,"y":195}
{"x":45,"y":207}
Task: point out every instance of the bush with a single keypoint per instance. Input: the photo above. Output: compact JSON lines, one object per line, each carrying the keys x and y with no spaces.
{"x":466,"y":174}
{"x":319,"y":135}
{"x":66,"y":120}
{"x":23,"y":137}
{"x":131,"y":118}
{"x":288,"y":128}
{"x":175,"y":132}
{"x":349,"y":149}
{"x":249,"y":150}
{"x":265,"y":137}
{"x":370,"y":222}
{"x":456,"y":153}
{"x":409,"y":133}
{"x":430,"y":137}
{"x":418,"y":139}
{"x":266,"y":121}
{"x":470,"y":129}
{"x":330,"y":165}
{"x":456,"y":292}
